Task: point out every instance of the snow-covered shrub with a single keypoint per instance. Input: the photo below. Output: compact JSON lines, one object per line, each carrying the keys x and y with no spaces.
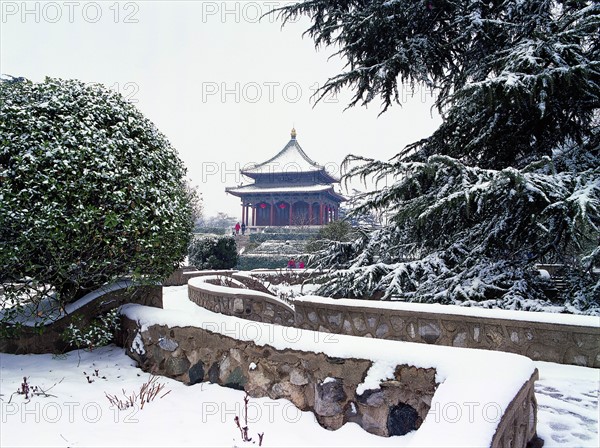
{"x":211,"y":252}
{"x":101,"y":331}
{"x":336,"y":231}
{"x":248,"y":262}
{"x":90,"y":191}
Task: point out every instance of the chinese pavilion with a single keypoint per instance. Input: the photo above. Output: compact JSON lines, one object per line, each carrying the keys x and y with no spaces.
{"x":289,"y":189}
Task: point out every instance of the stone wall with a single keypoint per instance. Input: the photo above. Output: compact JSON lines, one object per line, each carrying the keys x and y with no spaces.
{"x":244,"y":303}
{"x":50,"y":341}
{"x":178,"y":277}
{"x":314,"y":382}
{"x":311,"y":381}
{"x":278,"y":276}
{"x":181,"y":276}
{"x":519,"y":422}
{"x":565,"y":344}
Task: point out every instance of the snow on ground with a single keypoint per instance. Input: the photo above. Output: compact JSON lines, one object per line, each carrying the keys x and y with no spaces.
{"x":77,"y":412}
{"x":567,"y":399}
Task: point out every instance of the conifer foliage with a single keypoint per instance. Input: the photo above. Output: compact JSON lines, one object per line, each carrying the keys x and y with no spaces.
{"x":90,"y":191}
{"x":511,"y":177}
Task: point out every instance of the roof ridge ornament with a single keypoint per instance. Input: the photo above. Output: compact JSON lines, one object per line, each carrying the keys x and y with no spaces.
{"x":293,"y":133}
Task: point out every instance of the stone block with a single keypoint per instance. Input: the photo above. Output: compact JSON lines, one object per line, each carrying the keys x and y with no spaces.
{"x":236,"y":379}
{"x":460,"y":339}
{"x":238,"y":306}
{"x":402,"y":419}
{"x":382,"y":331}
{"x":330,"y":398}
{"x":397,"y":323}
{"x":196,"y":373}
{"x":175,"y":366}
{"x":335,"y":319}
{"x":298,"y":377}
{"x":429,"y":331}
{"x":494,"y":335}
{"x":359,"y":324}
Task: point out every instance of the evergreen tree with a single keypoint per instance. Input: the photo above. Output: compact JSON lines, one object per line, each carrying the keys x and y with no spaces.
{"x":90,"y":191}
{"x":510,"y":178}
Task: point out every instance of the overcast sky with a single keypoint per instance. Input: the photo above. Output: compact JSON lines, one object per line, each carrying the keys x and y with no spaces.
{"x":225,"y":88}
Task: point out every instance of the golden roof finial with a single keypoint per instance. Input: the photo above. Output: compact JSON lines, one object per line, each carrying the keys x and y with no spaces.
{"x":293,"y":133}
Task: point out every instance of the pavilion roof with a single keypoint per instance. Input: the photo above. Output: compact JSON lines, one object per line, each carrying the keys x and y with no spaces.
{"x":244,"y":190}
{"x":291,"y":159}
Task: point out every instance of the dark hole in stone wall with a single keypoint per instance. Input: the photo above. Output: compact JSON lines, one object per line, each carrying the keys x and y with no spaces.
{"x":402,"y":419}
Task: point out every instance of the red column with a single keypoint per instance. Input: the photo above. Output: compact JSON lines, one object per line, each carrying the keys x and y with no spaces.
{"x":290,"y":213}
{"x":320,"y":213}
{"x":243,"y":212}
{"x":272,"y":210}
{"x":310,"y":213}
{"x":253,"y":215}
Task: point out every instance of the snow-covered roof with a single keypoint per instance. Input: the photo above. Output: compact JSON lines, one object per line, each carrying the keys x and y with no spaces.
{"x":291,"y":159}
{"x":253,"y":188}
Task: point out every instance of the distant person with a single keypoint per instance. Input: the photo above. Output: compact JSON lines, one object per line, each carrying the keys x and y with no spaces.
{"x":237,"y":228}
{"x":291,"y":264}
{"x":243,"y":228}
{"x":301,"y":264}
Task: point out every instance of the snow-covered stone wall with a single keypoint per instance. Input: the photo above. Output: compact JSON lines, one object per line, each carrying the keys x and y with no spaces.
{"x":552,"y":341}
{"x":388,"y":390}
{"x":273,"y":276}
{"x":560,"y":338}
{"x":572,"y":341}
{"x":31,"y":340}
{"x":248,"y":304}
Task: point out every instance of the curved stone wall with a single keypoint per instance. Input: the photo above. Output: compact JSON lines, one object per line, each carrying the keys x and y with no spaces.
{"x":235,"y":300}
{"x":540,"y":341}
{"x":311,"y":381}
{"x":181,"y":276}
{"x":325,"y":385}
{"x":517,"y":428}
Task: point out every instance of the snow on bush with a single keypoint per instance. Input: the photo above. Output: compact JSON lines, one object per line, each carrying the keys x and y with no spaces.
{"x":90,"y":191}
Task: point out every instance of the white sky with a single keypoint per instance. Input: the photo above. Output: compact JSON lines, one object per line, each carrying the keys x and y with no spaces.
{"x":224,"y":88}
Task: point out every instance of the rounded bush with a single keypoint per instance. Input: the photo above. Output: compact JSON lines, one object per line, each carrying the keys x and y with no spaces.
{"x":90,"y":190}
{"x":210,"y":252}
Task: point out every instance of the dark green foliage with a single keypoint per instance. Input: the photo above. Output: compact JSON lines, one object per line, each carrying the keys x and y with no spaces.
{"x":459,"y":234}
{"x":249,"y":262}
{"x":513,"y":80}
{"x":511,"y":177}
{"x":90,"y":191}
{"x":262,"y":237}
{"x":213,"y":253}
{"x":336,"y":231}
{"x":213,"y":230}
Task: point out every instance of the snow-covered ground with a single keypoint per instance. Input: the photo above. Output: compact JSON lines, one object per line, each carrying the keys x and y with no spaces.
{"x":567,"y":399}
{"x":76,"y":412}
